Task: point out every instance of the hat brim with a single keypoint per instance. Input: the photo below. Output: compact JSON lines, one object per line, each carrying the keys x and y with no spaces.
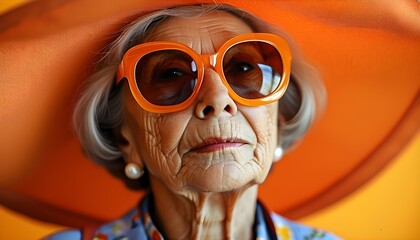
{"x":369,"y":65}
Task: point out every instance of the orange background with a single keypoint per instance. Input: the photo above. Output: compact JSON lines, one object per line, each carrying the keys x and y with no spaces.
{"x":384,"y":208}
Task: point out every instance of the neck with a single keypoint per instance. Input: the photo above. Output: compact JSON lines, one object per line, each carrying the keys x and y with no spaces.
{"x":226,"y":215}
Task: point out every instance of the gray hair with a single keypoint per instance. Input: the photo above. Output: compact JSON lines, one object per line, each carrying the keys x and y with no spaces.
{"x":98,"y":111}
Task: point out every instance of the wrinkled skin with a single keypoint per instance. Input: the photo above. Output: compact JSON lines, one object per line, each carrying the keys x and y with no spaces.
{"x":208,"y":193}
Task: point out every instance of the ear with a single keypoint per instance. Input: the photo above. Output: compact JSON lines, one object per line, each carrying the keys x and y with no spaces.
{"x":127,"y":145}
{"x":279,"y":150}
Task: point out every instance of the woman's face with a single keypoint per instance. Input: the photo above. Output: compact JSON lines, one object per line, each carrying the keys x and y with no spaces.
{"x":215,"y":145}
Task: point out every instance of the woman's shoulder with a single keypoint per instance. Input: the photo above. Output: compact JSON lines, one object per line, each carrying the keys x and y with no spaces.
{"x":70,"y":234}
{"x":128,"y":225}
{"x":288,"y":229}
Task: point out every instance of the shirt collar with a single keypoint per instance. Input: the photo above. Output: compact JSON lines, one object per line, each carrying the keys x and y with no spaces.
{"x":150,"y":228}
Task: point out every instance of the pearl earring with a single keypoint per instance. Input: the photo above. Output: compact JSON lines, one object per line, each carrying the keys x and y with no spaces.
{"x":133,"y":171}
{"x":278,"y":153}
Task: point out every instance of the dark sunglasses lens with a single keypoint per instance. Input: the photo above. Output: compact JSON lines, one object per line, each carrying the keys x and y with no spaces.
{"x":166,"y":77}
{"x":253,"y":69}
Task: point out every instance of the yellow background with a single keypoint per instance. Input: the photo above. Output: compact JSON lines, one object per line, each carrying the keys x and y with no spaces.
{"x":387,"y":207}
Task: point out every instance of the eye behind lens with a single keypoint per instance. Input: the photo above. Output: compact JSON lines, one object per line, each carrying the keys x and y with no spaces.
{"x":166,"y":77}
{"x":253,"y":69}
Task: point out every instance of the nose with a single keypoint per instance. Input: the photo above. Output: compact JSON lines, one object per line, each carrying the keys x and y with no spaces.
{"x":214,"y":100}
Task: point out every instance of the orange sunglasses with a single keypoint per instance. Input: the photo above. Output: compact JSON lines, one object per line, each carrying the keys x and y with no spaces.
{"x":166,"y":76}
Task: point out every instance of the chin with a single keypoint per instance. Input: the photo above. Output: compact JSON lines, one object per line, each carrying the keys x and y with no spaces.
{"x":225,"y":178}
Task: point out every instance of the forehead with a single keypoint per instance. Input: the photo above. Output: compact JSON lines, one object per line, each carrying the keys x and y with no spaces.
{"x":204,"y":33}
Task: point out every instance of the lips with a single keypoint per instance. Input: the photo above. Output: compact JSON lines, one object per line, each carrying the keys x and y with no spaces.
{"x":215,"y":144}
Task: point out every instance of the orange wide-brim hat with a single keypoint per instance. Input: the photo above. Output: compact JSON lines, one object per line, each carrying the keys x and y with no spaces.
{"x":369,"y":63}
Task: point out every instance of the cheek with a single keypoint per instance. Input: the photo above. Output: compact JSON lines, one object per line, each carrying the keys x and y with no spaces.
{"x":263,"y":121}
{"x":157,"y":141}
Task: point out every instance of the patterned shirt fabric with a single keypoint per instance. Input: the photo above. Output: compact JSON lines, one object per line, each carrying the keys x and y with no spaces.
{"x":138,"y":225}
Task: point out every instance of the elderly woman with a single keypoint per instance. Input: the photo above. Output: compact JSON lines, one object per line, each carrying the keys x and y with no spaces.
{"x":194,"y":104}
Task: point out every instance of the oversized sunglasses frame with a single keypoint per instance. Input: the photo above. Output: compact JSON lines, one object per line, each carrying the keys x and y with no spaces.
{"x":127,"y":69}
